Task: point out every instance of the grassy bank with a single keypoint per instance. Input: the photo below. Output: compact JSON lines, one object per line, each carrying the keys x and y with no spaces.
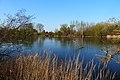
{"x":46,"y":68}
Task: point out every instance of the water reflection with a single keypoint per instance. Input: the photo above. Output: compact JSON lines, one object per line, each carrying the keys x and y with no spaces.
{"x":15,"y":46}
{"x":40,"y":41}
{"x":70,"y":47}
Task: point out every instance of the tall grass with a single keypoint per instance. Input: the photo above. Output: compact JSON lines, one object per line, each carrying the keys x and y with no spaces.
{"x":47,"y":68}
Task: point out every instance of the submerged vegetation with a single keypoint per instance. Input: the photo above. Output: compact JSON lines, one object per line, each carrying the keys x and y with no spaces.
{"x":44,"y":67}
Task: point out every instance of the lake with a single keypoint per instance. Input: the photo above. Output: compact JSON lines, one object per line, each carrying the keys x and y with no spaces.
{"x":88,"y":48}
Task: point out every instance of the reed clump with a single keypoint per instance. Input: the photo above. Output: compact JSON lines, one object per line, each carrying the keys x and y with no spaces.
{"x":36,"y":67}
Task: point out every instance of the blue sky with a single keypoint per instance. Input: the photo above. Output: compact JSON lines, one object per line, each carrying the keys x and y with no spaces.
{"x":52,"y":13}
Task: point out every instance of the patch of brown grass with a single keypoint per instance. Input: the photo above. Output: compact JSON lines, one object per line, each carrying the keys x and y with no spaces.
{"x":47,"y":68}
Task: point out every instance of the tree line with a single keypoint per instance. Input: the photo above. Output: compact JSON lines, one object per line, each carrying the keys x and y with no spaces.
{"x":20,"y":26}
{"x":84,"y":29}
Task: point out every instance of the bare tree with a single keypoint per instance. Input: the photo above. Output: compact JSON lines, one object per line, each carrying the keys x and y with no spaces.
{"x":18,"y":20}
{"x":15,"y":22}
{"x":80,"y":27}
{"x":40,"y":27}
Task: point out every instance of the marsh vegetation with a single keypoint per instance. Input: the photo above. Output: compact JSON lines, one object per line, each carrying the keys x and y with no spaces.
{"x":46,"y":68}
{"x":79,"y":51}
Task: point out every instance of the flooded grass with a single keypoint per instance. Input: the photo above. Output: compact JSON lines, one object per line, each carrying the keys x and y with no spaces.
{"x":39,"y":67}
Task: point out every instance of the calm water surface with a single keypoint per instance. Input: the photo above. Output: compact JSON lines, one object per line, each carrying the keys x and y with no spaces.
{"x":70,"y":47}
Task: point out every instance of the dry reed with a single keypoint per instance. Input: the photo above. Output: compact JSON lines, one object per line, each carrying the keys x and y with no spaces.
{"x":46,"y":68}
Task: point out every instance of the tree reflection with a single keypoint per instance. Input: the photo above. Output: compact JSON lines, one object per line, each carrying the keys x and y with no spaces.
{"x":14,"y":45}
{"x":40,"y":41}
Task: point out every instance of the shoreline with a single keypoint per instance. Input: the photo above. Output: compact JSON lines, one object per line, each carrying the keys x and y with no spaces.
{"x":113,"y":36}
